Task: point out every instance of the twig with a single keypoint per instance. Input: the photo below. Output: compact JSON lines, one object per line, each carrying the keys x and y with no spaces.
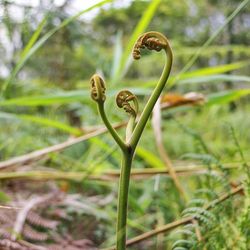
{"x":9,"y":207}
{"x":31,"y":246}
{"x":197,"y":230}
{"x":55,"y":148}
{"x":180,"y":222}
{"x":179,"y":170}
{"x":224,"y":197}
{"x":107,"y":175}
{"x":156,"y":122}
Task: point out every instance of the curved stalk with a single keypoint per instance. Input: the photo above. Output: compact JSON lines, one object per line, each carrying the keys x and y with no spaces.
{"x":159,"y":43}
{"x":98,"y":94}
{"x":123,"y":100}
{"x":112,"y":131}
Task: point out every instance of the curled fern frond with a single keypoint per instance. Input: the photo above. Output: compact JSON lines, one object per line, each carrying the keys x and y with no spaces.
{"x":98,"y":89}
{"x":98,"y":94}
{"x":123,"y":100}
{"x":150,"y":40}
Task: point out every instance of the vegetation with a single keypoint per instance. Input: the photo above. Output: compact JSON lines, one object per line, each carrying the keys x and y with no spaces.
{"x":188,"y":174}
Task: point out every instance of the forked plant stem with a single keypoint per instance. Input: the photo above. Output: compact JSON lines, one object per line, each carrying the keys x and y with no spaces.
{"x":152,"y":41}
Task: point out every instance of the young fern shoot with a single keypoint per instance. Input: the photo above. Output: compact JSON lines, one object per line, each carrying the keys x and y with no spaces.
{"x":122,"y":100}
{"x":128,"y":101}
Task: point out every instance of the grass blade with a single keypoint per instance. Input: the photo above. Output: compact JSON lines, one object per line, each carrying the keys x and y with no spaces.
{"x":61,"y":98}
{"x":210,"y":40}
{"x":215,"y":79}
{"x":150,"y":158}
{"x":218,"y":69}
{"x":31,"y":50}
{"x":117,"y":55}
{"x":45,"y":100}
{"x":42,"y":121}
{"x":24,"y":54}
{"x":139,"y":29}
{"x":225,"y":97}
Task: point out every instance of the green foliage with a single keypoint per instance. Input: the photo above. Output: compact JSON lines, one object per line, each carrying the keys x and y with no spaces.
{"x":48,"y":57}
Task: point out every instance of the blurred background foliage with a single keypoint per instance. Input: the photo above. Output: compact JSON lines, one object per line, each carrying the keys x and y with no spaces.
{"x":50,"y":49}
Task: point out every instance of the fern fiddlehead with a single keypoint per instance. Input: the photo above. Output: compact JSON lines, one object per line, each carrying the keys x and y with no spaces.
{"x":98,"y":89}
{"x":128,"y":101}
{"x":152,"y":41}
{"x":123,"y":100}
{"x":98,"y":94}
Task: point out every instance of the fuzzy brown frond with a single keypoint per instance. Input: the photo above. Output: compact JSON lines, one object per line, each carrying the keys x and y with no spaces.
{"x":150,"y":40}
{"x":98,"y":88}
{"x":122,"y":100}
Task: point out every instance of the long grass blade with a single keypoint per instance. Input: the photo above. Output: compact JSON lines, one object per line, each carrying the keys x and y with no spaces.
{"x":42,"y":121}
{"x":210,"y":40}
{"x":24,"y":54}
{"x":218,"y":69}
{"x":140,"y":28}
{"x":225,"y":97}
{"x":61,"y":98}
{"x":149,"y":158}
{"x":31,"y":50}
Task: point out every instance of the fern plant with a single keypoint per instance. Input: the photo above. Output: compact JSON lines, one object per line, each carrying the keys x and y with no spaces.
{"x":211,"y":226}
{"x":128,"y":101}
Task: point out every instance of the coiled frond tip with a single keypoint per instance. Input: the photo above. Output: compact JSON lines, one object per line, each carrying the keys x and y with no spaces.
{"x":150,"y":40}
{"x":123,"y":100}
{"x":98,"y":89}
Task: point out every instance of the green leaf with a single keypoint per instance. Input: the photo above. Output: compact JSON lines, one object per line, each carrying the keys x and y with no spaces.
{"x":208,"y":79}
{"x":203,"y":75}
{"x":226,"y":96}
{"x":81,"y":95}
{"x":214,"y":79}
{"x":182,"y":50}
{"x":62,"y":98}
{"x":31,"y":50}
{"x":25,"y":54}
{"x":149,"y":158}
{"x":139,"y":29}
{"x":218,"y":69}
{"x":193,"y":58}
{"x":4,"y":197}
{"x":117,"y":55}
{"x":42,"y":121}
{"x":44,"y":100}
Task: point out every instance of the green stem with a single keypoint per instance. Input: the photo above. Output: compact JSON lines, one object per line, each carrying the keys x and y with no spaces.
{"x":123,"y":199}
{"x":112,"y":131}
{"x":130,"y":128}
